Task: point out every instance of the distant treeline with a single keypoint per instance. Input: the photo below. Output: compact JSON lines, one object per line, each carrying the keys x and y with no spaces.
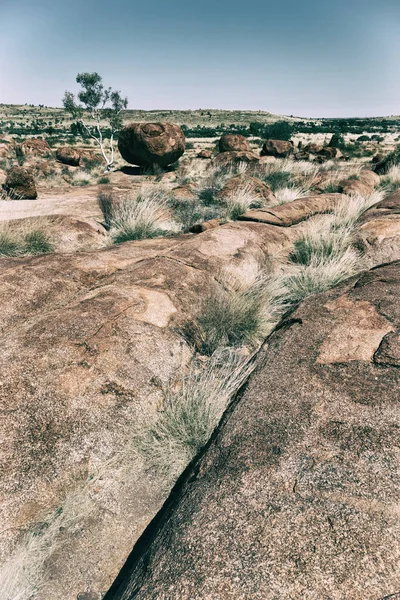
{"x":282,"y":129}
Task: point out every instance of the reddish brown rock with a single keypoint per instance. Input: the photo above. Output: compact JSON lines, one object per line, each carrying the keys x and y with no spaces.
{"x":146,"y":144}
{"x":363,"y":183}
{"x":234,"y":142}
{"x":205,"y":154}
{"x":277,"y":148}
{"x":184,"y":192}
{"x":68,"y":156}
{"x":20,"y":184}
{"x":329,"y":153}
{"x":297,"y":494}
{"x":227,"y":159}
{"x":35,"y":147}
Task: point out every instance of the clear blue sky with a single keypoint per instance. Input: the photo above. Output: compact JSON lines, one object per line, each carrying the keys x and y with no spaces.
{"x":301,"y":57}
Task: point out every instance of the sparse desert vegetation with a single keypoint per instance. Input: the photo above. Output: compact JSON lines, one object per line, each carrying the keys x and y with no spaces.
{"x":162,"y":333}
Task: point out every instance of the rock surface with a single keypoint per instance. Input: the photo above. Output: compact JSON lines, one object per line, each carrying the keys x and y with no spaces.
{"x":20,"y":184}
{"x":297,"y":495}
{"x":68,"y":156}
{"x":88,"y":341}
{"x":234,"y":142}
{"x":35,"y":147}
{"x":277,"y":148}
{"x":146,"y":144}
{"x":227,"y":159}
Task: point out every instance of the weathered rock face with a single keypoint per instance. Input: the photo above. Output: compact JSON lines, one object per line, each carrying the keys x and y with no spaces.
{"x":20,"y":184}
{"x":146,"y":144}
{"x":258,"y":188}
{"x":363,"y":184}
{"x":88,"y":342}
{"x":294,"y":212}
{"x":227,"y":159}
{"x":297,"y":495}
{"x":277,"y":148}
{"x":68,"y":156}
{"x":234,"y":142}
{"x":35,"y":147}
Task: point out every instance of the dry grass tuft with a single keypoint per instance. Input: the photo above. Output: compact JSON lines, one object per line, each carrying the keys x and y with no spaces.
{"x":190,"y":413}
{"x":145,"y":215}
{"x":26,"y":238}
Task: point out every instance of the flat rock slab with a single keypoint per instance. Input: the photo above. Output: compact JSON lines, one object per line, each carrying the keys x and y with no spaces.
{"x":297,"y":496}
{"x":294,"y":212}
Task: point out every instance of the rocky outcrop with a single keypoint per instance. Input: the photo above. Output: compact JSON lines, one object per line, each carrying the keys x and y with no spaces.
{"x":294,"y":212}
{"x":20,"y":184}
{"x":67,"y":155}
{"x":89,"y":341}
{"x":277,"y":148}
{"x":297,"y":494}
{"x":234,"y":142}
{"x":363,"y":183}
{"x":329,"y":153}
{"x":146,"y":144}
{"x":227,"y":159}
{"x":34,"y":147}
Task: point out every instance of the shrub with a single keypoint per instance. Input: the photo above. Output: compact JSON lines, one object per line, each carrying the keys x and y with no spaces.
{"x":103,"y":180}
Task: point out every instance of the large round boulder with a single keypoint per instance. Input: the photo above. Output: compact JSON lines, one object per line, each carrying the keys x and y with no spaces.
{"x":277,"y":148}
{"x":20,"y":184}
{"x":34,"y":147}
{"x":234,"y":142}
{"x":146,"y":144}
{"x":68,"y":156}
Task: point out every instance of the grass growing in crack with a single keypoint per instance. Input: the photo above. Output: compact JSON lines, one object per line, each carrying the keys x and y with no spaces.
{"x":321,"y":273}
{"x":323,"y":240}
{"x":140,"y":217}
{"x":235,"y":314}
{"x":190,"y":413}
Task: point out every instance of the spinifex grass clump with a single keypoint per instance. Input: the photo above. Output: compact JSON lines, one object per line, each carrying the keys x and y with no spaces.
{"x":140,"y":217}
{"x":27,"y":239}
{"x":191,"y":410}
{"x":235,"y":314}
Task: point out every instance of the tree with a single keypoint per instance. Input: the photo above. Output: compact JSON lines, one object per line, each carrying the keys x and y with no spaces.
{"x":97,"y":105}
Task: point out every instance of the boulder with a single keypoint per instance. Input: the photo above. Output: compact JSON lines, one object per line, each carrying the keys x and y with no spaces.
{"x":35,"y":147}
{"x":205,"y":154}
{"x":294,"y":212}
{"x":258,"y":188}
{"x":20,"y":184}
{"x":227,"y":159}
{"x":297,"y":494}
{"x":146,"y":144}
{"x":277,"y":148}
{"x":313,"y":148}
{"x":329,"y":153}
{"x":206,"y":225}
{"x":234,"y":142}
{"x":68,"y":155}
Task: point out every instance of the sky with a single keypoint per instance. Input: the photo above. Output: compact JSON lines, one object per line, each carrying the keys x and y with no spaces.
{"x":311,"y":58}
